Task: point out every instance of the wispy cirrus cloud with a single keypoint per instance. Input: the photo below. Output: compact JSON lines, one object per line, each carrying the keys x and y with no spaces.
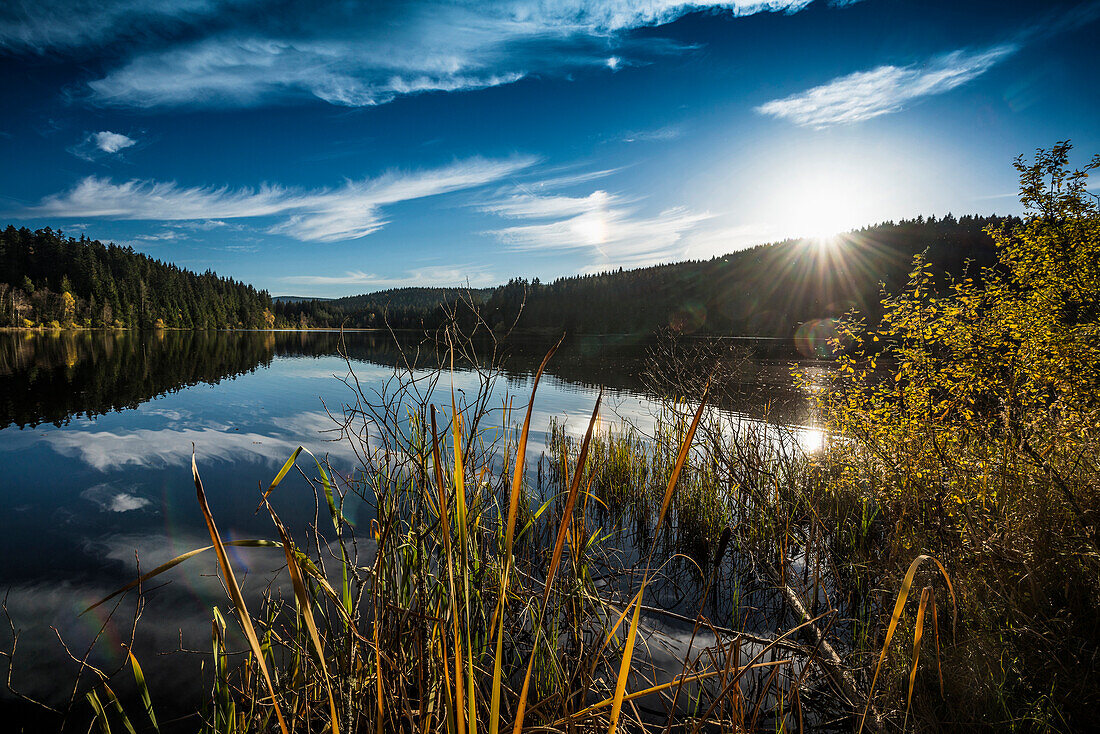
{"x":242,"y":72}
{"x":885,"y":89}
{"x":350,"y":211}
{"x":204,"y":226}
{"x":51,"y":25}
{"x":166,"y":235}
{"x":108,"y":451}
{"x":226,"y":53}
{"x":350,"y":277}
{"x":444,"y":276}
{"x":608,"y":225}
{"x":524,"y":205}
{"x":660,"y":134}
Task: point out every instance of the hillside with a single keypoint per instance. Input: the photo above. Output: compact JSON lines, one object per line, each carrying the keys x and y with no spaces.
{"x":412,"y":297}
{"x":49,"y":279}
{"x":409,"y":306}
{"x":296,"y":299}
{"x":768,"y":290}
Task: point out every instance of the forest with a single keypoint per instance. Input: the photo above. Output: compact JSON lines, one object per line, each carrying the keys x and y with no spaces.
{"x":769,"y":290}
{"x":777,"y":290}
{"x":48,"y":279}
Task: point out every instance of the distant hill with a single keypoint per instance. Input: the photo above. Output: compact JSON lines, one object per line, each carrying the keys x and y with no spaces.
{"x":767,"y":290}
{"x":772,"y":290}
{"x":411,"y":297}
{"x":297,"y":299}
{"x":406,"y":306}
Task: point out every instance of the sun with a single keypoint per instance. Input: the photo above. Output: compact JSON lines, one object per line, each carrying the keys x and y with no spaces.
{"x":823,"y":205}
{"x":591,"y":227}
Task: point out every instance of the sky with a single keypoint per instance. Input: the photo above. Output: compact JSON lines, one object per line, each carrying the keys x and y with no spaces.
{"x":329,"y":148}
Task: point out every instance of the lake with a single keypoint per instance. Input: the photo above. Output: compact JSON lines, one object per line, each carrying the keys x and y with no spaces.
{"x":96,"y":435}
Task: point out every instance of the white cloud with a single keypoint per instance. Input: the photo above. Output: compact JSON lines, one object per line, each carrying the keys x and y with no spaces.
{"x":136,"y":199}
{"x":166,"y":235}
{"x":707,"y":243}
{"x":110,"y":142}
{"x":350,"y":277}
{"x":606,"y":16}
{"x":867,"y":94}
{"x":109,"y":451}
{"x":240,"y":72}
{"x":448,"y":276}
{"x":44,"y":25}
{"x":350,"y":211}
{"x":605,"y":224}
{"x":366,"y":54}
{"x":567,"y":176}
{"x":533,"y":206}
{"x":204,"y":226}
{"x":110,"y":498}
{"x":97,"y":145}
{"x":660,"y":134}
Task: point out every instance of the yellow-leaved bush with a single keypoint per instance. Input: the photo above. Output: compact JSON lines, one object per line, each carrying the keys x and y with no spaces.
{"x":970,"y":413}
{"x":974,"y":394}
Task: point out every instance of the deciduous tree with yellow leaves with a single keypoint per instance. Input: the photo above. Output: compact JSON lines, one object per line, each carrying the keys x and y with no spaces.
{"x":971,"y":415}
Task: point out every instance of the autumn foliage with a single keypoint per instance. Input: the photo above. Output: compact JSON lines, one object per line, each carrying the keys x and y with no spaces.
{"x":971,"y":415}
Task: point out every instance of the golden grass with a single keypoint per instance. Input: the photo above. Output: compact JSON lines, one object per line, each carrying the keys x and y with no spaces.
{"x":474,"y":616}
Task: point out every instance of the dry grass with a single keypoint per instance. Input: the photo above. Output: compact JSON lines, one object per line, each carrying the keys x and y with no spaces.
{"x":707,"y":577}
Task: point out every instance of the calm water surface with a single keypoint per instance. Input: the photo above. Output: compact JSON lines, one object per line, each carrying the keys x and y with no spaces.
{"x":96,"y":434}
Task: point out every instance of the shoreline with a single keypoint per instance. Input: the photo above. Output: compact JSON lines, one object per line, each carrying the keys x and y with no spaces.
{"x":534,"y":331}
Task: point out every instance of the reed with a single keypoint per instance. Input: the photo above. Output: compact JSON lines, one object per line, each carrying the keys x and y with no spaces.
{"x":709,"y":574}
{"x":480,"y":601}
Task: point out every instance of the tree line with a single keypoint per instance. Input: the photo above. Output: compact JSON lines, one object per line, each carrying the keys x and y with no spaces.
{"x":773,"y":290}
{"x":769,"y":290}
{"x":48,"y":279}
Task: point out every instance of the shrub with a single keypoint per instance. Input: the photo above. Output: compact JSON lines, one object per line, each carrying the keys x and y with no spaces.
{"x":970,"y":414}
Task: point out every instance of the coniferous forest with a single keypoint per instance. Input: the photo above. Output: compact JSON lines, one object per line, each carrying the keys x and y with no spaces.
{"x":48,"y":279}
{"x":771,"y":290}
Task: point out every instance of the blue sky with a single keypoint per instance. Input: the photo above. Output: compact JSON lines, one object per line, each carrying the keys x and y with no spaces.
{"x":331,"y":148}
